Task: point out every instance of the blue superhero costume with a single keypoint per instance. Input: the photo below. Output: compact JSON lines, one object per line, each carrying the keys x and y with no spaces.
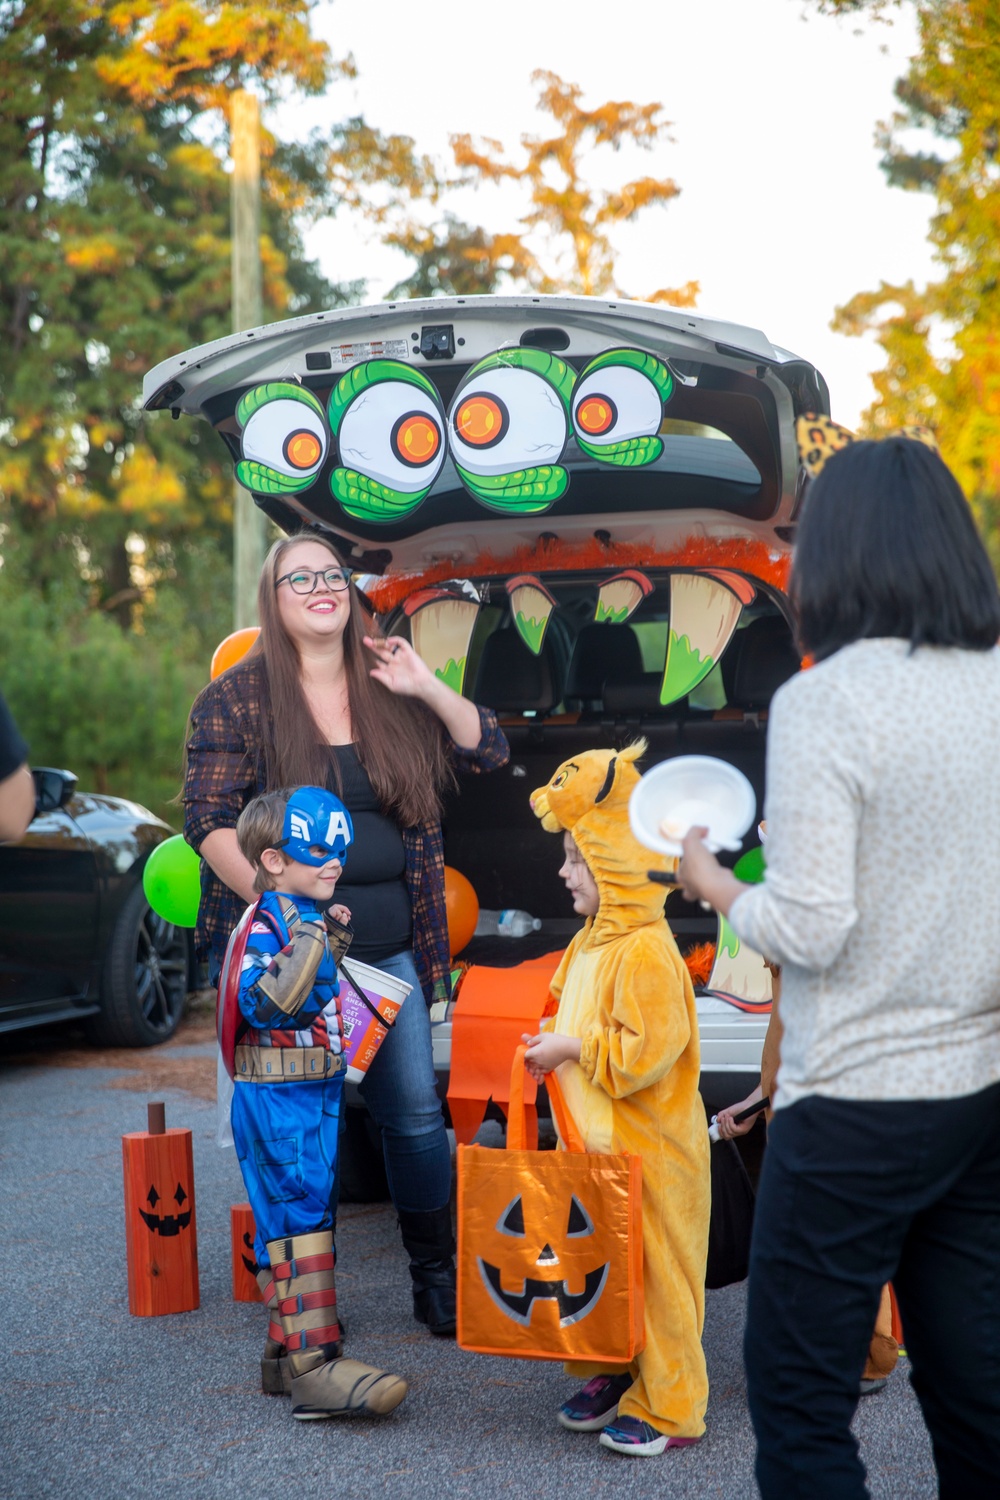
{"x":289,"y":1070}
{"x":288,"y":1089}
{"x":289,"y":1048}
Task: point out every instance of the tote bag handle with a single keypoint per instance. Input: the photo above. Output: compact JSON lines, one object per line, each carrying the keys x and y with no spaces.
{"x":516,"y":1122}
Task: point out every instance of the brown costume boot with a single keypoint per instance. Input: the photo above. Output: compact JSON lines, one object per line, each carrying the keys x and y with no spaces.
{"x":883,"y":1351}
{"x":275,"y":1376}
{"x":323,"y":1383}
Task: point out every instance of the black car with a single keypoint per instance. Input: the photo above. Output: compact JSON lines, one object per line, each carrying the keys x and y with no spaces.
{"x":78,"y":940}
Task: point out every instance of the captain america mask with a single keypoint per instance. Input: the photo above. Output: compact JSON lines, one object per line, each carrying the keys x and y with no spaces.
{"x":317,"y":827}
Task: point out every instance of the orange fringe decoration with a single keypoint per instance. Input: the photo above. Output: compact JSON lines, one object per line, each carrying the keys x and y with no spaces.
{"x":754,"y":558}
{"x":699,"y":962}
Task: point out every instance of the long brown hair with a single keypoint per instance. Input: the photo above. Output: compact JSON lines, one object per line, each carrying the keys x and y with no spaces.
{"x":399,"y":742}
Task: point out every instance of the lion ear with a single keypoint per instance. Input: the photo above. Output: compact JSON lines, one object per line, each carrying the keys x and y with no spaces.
{"x":633,"y":752}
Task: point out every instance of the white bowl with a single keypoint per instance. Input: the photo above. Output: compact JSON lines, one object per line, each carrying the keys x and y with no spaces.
{"x":692,"y":791}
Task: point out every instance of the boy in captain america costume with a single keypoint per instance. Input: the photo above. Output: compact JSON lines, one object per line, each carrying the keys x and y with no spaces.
{"x":289,"y":1080}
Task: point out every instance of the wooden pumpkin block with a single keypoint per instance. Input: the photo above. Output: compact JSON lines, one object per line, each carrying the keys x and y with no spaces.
{"x":242,"y":1230}
{"x":160,"y":1229}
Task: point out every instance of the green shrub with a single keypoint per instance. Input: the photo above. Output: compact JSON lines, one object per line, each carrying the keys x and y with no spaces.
{"x":108,"y":704}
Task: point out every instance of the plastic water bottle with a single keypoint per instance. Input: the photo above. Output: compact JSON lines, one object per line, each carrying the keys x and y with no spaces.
{"x":507,"y":923}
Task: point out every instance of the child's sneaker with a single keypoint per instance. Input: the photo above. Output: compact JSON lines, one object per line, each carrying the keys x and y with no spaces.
{"x":593,"y":1407}
{"x":638,"y":1439}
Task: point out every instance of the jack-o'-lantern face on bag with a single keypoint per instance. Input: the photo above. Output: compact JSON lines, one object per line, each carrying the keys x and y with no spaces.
{"x":167,"y":1224}
{"x":549,"y":1244}
{"x":556,"y":1274}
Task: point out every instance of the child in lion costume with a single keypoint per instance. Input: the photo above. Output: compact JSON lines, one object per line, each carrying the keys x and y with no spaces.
{"x":625,"y":1043}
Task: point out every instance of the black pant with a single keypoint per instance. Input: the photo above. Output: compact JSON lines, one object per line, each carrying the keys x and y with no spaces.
{"x":855,"y":1194}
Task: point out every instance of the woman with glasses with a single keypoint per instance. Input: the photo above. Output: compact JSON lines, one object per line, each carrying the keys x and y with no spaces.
{"x":880,"y":902}
{"x":323,"y":700}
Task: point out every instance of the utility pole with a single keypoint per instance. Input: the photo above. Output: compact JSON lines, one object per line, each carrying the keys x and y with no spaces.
{"x":249,"y":523}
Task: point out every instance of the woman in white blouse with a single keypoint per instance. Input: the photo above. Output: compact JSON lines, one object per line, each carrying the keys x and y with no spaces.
{"x":882,"y":904}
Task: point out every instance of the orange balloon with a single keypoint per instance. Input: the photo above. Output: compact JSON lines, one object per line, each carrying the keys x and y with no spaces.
{"x":463,"y":909}
{"x":228,"y":652}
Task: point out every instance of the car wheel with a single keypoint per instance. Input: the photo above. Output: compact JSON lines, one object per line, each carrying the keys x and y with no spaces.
{"x":362,"y":1165}
{"x":146,"y":978}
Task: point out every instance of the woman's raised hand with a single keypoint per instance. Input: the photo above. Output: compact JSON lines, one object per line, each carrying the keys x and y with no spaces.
{"x":398,"y":667}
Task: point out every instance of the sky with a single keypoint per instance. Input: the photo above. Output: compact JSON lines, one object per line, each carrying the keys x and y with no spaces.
{"x":783,"y":212}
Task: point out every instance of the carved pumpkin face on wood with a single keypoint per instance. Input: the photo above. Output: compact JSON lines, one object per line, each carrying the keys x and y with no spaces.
{"x":250,"y":1261}
{"x":572,"y":1305}
{"x":167,"y":1224}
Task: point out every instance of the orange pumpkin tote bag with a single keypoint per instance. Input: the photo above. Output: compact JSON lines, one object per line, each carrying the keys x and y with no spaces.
{"x":549,"y":1245}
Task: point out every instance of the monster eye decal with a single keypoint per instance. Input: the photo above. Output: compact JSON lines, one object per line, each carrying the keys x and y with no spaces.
{"x":618,"y":407}
{"x":390,"y":428}
{"x":507,"y":429}
{"x":283,"y":439}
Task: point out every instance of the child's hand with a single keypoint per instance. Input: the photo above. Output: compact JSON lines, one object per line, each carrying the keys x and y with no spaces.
{"x":340,"y":914}
{"x":547,"y":1050}
{"x":728,"y":1128}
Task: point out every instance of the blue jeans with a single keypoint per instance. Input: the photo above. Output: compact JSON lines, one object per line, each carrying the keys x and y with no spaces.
{"x":854,"y":1194}
{"x":399,"y":1090}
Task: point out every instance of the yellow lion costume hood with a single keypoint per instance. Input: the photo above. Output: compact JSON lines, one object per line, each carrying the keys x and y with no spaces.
{"x":588,"y":797}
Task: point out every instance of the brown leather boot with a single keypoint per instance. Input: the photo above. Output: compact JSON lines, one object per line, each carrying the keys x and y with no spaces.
{"x":323,"y":1383}
{"x":275,"y":1376}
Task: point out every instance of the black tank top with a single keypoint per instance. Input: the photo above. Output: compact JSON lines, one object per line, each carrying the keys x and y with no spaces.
{"x":373,"y":884}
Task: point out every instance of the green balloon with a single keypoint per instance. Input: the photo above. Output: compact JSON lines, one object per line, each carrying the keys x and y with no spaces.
{"x":172,"y":882}
{"x":750,"y":866}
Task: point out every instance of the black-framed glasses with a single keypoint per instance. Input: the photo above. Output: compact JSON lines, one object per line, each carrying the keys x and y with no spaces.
{"x":304,"y":580}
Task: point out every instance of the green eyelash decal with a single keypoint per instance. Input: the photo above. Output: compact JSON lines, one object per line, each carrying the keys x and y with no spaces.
{"x":284,"y":438}
{"x":361,"y":377}
{"x":634,"y":359}
{"x":389,"y":426}
{"x":263,"y":395}
{"x":525,"y":492}
{"x":632,"y":453}
{"x":621,"y":394}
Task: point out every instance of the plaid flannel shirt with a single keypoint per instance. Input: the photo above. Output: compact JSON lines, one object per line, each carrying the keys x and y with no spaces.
{"x":225,"y":769}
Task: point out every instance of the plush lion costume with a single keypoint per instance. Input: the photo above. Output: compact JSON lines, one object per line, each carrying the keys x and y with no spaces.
{"x":624,"y":990}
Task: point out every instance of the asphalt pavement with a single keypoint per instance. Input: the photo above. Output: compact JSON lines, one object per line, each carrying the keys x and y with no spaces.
{"x":99,"y":1403}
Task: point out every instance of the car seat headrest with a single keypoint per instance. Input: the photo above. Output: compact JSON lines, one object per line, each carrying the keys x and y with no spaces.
{"x":599,"y":653}
{"x":759,"y":659}
{"x":638,"y":693}
{"x":511,"y":679}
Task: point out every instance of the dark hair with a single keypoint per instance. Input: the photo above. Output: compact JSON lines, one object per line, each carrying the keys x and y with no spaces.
{"x":399,"y":742}
{"x":887,"y":547}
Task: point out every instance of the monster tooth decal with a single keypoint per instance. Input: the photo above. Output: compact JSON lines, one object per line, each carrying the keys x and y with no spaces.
{"x":508,"y":427}
{"x":442,"y":620}
{"x":744,"y":590}
{"x":618,"y":407}
{"x":283,"y":439}
{"x":703,"y":615}
{"x":390,"y":430}
{"x":739,"y":971}
{"x":531,"y":604}
{"x":620,"y":596}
